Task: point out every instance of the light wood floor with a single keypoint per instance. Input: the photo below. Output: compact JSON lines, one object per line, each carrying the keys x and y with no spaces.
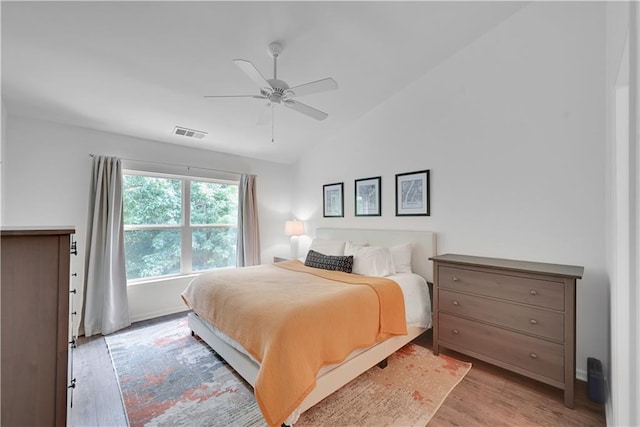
{"x":487,"y":396}
{"x":492,"y":396}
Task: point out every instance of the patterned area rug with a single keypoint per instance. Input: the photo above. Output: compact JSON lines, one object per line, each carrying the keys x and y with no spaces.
{"x":167,"y":377}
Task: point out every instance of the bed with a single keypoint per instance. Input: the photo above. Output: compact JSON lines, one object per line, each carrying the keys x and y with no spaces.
{"x":331,"y":377}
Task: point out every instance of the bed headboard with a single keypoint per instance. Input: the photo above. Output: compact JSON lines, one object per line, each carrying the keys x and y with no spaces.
{"x":424,"y":243}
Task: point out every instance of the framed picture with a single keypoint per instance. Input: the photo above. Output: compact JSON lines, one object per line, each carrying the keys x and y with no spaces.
{"x":333,"y":200}
{"x":367,"y":196}
{"x":412,"y":194}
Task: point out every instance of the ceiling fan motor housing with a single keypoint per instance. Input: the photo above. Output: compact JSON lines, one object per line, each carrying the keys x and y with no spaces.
{"x":279,"y":90}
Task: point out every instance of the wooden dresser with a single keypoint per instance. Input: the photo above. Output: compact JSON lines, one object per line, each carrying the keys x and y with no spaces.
{"x":514,"y":314}
{"x":35,"y":325}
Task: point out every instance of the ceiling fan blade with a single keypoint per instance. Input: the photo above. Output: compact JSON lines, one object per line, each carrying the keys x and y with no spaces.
{"x":236,"y":96}
{"x":253,"y":73}
{"x":313,"y":87}
{"x":305,"y":109}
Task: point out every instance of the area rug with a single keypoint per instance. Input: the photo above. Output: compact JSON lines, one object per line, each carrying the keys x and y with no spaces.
{"x":169,"y":378}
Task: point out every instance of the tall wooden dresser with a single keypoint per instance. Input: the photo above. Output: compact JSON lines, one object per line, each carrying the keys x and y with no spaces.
{"x":514,"y":314}
{"x":35,"y":325}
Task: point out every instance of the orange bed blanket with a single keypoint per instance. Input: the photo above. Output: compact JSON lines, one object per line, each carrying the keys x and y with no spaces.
{"x":294,"y":320}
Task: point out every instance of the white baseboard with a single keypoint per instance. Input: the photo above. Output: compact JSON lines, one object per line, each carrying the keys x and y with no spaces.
{"x":581,"y":375}
{"x":153,"y":314}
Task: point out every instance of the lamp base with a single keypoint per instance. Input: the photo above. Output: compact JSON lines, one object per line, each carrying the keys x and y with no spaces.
{"x":293,"y":247}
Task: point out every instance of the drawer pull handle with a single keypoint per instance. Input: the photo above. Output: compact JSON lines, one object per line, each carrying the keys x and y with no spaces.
{"x":455,"y":279}
{"x":455,"y":332}
{"x":533,"y":292}
{"x":533,"y":355}
{"x":455,"y":303}
{"x":533,"y":321}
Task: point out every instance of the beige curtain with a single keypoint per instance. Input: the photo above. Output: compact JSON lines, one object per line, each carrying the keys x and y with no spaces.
{"x":248,"y":252}
{"x":106,"y":308}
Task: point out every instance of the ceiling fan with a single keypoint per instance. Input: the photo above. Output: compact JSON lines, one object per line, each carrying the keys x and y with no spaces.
{"x":276,"y":91}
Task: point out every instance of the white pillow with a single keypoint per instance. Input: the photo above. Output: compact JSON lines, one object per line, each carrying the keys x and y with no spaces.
{"x":351,"y":248}
{"x":373,"y":261}
{"x":328,"y":246}
{"x":401,"y":255}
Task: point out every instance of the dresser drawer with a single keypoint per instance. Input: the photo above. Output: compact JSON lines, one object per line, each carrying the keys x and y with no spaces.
{"x":532,"y":354}
{"x":541,"y":293}
{"x":544,"y":323}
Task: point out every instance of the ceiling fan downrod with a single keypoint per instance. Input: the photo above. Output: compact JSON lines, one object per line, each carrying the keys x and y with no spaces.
{"x":275,"y":66}
{"x":275,"y":49}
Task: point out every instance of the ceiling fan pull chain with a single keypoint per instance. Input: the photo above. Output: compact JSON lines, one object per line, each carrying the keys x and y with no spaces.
{"x":273,"y":116}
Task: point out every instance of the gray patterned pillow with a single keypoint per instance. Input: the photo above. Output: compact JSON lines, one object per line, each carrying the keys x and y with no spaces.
{"x":329,"y":262}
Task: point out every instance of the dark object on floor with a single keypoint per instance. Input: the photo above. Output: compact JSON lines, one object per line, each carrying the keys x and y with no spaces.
{"x":595,"y":380}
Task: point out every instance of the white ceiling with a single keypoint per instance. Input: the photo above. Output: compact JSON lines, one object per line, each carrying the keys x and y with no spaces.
{"x":141,"y":68}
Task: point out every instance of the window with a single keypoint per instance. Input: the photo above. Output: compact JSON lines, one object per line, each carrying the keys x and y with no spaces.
{"x":178,"y":225}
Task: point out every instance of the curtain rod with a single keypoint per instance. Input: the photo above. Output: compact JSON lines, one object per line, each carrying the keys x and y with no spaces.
{"x":174,"y":164}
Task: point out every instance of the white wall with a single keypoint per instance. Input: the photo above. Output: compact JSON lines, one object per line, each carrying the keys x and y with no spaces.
{"x":47,"y":170}
{"x":512,"y":129}
{"x":3,"y":137}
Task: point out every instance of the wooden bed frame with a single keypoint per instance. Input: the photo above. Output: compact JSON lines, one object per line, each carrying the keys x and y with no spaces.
{"x":333,"y":377}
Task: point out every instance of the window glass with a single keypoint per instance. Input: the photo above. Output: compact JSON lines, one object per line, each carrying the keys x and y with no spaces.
{"x":213,"y":248}
{"x":214,"y":203}
{"x":159,"y":242}
{"x":152,"y":200}
{"x":152,"y":253}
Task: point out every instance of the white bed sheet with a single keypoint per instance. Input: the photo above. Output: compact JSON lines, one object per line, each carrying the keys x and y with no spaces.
{"x":417,"y":302}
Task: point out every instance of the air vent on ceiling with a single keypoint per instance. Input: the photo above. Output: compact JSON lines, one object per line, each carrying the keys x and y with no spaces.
{"x":189,"y":133}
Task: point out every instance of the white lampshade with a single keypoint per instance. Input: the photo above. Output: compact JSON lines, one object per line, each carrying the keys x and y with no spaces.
{"x":294,"y":228}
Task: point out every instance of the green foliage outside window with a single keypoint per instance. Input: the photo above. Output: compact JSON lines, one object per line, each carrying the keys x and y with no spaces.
{"x":213,"y":248}
{"x":151,"y":200}
{"x":153,"y":206}
{"x":213,"y":203}
{"x":151,"y":253}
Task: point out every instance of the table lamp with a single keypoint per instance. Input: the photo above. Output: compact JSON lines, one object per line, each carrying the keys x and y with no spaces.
{"x":294,"y":229}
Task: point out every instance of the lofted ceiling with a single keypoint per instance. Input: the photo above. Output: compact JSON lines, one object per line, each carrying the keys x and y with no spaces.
{"x":142,"y":68}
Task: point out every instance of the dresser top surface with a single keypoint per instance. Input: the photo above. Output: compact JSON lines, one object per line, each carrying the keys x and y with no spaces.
{"x":37,"y":230}
{"x":514,"y":265}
